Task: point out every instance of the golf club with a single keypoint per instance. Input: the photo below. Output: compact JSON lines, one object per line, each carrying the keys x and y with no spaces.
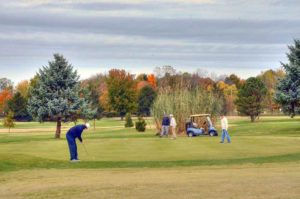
{"x":87,"y":151}
{"x":84,"y":148}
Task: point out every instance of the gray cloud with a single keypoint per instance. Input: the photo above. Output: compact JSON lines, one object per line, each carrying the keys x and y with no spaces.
{"x":186,"y":35}
{"x":97,"y":6}
{"x":197,"y":30}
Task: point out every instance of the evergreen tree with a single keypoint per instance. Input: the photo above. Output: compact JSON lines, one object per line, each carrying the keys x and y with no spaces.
{"x":85,"y":112}
{"x":9,"y":121}
{"x":146,"y":98}
{"x":92,"y":86}
{"x":128,"y":120}
{"x":88,"y":110}
{"x":56,"y":94}
{"x":18,"y":105}
{"x":288,"y":88}
{"x":250,"y":97}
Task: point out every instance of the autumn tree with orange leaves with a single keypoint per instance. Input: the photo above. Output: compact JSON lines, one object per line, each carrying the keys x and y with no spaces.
{"x":152,"y":80}
{"x":103,"y":99}
{"x":5,"y":95}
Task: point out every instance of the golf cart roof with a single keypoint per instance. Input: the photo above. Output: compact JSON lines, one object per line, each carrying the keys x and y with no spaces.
{"x":200,"y":115}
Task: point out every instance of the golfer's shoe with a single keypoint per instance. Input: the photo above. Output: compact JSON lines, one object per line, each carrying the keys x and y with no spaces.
{"x":74,"y":160}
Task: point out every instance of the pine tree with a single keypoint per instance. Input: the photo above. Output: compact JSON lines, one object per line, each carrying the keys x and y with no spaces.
{"x":146,"y":98}
{"x":250,"y":98}
{"x":288,"y":88}
{"x":18,"y":105}
{"x":9,"y":121}
{"x":128,"y":120}
{"x":56,"y":93}
{"x":87,"y":111}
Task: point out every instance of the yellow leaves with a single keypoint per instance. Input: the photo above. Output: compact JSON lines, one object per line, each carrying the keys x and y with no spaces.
{"x":221,"y":85}
{"x":209,"y":88}
{"x":23,"y":88}
{"x":228,"y":90}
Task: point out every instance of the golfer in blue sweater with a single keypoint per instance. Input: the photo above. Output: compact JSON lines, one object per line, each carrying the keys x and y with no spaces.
{"x":72,"y":134}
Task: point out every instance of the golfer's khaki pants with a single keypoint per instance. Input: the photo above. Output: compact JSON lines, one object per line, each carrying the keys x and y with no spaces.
{"x":173,"y":129}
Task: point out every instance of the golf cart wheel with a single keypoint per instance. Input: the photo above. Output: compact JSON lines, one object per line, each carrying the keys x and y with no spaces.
{"x":190,"y":134}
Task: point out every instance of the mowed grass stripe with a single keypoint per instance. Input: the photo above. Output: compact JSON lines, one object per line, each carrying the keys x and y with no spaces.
{"x":49,"y":136}
{"x":19,"y":162}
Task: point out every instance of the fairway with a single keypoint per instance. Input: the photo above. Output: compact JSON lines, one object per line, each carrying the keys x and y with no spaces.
{"x":261,"y":162}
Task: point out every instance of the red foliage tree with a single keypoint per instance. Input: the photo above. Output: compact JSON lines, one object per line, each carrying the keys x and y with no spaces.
{"x":152,"y":80}
{"x":5,"y":95}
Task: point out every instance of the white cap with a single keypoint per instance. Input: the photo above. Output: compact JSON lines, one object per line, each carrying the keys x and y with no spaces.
{"x":87,"y":125}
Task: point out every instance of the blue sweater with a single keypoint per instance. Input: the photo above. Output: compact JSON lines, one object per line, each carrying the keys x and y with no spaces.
{"x":76,"y":131}
{"x":166,"y":121}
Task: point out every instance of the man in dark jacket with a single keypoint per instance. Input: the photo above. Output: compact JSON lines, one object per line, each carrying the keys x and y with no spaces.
{"x":165,"y":126}
{"x":72,"y":134}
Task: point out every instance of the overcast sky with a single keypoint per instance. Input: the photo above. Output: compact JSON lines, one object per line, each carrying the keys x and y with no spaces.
{"x":221,"y":36}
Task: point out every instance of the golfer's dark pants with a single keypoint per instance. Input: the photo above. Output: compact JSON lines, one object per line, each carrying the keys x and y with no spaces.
{"x":72,"y":147}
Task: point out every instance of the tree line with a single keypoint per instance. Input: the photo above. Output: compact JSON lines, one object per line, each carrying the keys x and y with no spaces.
{"x":55,"y":93}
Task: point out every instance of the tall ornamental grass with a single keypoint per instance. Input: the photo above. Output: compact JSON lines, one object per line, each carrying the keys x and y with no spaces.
{"x":182,"y":103}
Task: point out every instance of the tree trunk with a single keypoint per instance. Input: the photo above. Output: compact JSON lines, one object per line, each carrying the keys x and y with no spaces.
{"x":293,"y":110}
{"x":94,"y":124}
{"x":252,"y":118}
{"x":58,"y":128}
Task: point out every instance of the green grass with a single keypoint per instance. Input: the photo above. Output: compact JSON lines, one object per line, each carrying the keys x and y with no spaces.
{"x":268,"y":140}
{"x":262,"y":160}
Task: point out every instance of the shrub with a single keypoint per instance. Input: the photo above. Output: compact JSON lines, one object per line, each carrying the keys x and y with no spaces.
{"x":140,"y":125}
{"x":128,"y":120}
{"x":9,"y":121}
